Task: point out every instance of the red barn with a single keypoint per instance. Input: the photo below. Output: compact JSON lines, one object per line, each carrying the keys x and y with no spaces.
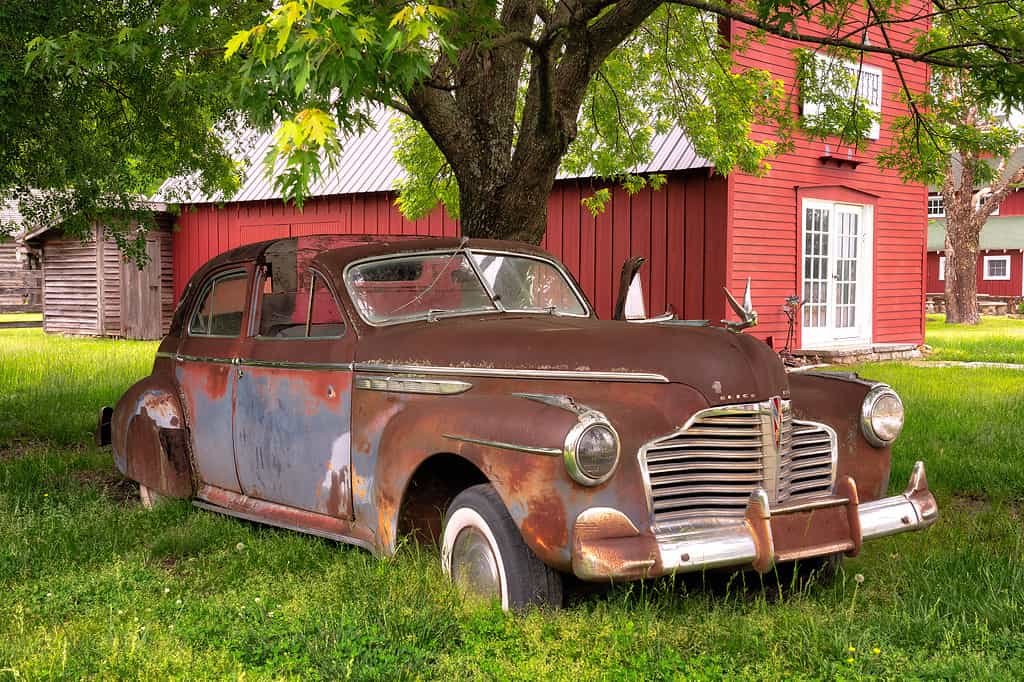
{"x":1000,"y":258}
{"x":826,"y":223}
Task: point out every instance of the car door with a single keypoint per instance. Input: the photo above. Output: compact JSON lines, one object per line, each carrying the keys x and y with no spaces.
{"x":294,"y":385}
{"x":204,"y":368}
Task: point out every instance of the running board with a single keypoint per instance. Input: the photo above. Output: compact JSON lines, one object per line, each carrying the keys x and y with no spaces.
{"x":239,"y":506}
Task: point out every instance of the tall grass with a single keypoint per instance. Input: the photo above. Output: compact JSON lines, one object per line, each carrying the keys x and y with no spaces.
{"x":52,"y":387}
{"x":93,"y":586}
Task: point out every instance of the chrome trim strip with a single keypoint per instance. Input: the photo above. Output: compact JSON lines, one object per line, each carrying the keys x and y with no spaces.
{"x":288,"y":364}
{"x":182,"y":357}
{"x":280,"y":364}
{"x":554,"y":374}
{"x":551,"y":452}
{"x":409,"y":385}
{"x":562,"y":402}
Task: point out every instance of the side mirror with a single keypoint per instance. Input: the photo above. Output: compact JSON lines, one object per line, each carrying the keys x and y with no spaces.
{"x":630,"y":305}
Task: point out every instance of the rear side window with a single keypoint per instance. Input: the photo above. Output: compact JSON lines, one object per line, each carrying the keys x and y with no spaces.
{"x":220,"y":307}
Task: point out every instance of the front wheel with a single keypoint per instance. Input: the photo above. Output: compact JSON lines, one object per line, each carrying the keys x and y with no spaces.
{"x":484,"y":554}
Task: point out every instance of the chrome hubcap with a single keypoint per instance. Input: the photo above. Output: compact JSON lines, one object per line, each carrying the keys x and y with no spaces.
{"x":474,"y":566}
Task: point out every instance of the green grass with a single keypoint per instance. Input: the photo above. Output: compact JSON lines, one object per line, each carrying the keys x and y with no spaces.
{"x":21,"y":317}
{"x":996,"y":339}
{"x":52,"y":387}
{"x":91,"y":585}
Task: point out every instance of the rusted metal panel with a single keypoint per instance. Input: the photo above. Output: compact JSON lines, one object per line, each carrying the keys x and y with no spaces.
{"x":292,"y":433}
{"x":836,"y":399}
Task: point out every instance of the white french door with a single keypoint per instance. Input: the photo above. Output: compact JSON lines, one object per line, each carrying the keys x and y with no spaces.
{"x":836,"y":274}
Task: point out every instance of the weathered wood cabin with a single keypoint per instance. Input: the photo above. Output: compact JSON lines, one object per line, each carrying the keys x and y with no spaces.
{"x":89,"y":290}
{"x":20,"y":277}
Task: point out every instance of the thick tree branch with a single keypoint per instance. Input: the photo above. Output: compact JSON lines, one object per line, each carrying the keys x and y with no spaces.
{"x":730,"y":12}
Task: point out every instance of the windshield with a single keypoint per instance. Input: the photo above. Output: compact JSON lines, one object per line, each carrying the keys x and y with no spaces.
{"x":431,"y":285}
{"x":528,"y":284}
{"x":419,"y":286}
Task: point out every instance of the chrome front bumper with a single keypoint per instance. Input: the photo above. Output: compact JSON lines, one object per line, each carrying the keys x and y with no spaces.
{"x":607,"y":545}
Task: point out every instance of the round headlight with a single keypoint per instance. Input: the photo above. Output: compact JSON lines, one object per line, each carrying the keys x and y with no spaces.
{"x":881,"y":416}
{"x":591,"y":451}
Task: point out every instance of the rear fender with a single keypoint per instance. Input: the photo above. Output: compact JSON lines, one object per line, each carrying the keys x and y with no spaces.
{"x":836,"y":399}
{"x":150,"y":441}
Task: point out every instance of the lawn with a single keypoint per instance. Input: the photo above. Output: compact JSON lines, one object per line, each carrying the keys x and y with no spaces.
{"x":996,"y":339}
{"x":21,"y":317}
{"x":91,"y":585}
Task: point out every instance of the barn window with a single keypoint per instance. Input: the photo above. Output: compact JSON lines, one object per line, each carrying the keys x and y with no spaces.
{"x":219,"y":312}
{"x":843,"y":76}
{"x":997,"y":267}
{"x":936,"y":205}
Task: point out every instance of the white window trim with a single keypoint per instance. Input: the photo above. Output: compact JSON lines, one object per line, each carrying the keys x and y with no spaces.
{"x":992,"y":259}
{"x":811,"y":108}
{"x":941,"y":211}
{"x":942,"y":268}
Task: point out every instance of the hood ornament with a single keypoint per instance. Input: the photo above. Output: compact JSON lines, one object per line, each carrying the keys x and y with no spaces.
{"x":746,"y":312}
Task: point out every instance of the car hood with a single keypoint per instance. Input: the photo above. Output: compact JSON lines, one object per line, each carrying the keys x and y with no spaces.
{"x":723,"y":366}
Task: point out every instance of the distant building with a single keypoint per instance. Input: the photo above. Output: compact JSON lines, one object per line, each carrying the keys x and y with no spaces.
{"x":20,"y":277}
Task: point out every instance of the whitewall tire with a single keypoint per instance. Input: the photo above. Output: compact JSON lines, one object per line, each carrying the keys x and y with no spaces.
{"x":483,"y":552}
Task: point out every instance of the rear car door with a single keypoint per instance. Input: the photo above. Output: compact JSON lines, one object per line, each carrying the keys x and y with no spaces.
{"x":294,"y":387}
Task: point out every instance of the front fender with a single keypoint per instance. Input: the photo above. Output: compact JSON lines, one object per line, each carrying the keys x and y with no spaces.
{"x":543,"y":500}
{"x":835,"y":399}
{"x":149,"y":438}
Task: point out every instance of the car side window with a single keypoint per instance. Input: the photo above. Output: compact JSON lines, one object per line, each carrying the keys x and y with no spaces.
{"x":296,"y":305}
{"x":219,"y":312}
{"x":324,"y":319}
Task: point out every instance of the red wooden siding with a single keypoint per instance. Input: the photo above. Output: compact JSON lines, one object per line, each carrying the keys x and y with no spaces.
{"x":990,"y":287}
{"x":764,"y":226}
{"x":680,"y":229}
{"x":1013,"y":204}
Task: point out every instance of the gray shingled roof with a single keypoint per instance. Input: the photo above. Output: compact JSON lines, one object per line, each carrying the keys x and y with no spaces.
{"x":1000,"y":232}
{"x":367,"y":164}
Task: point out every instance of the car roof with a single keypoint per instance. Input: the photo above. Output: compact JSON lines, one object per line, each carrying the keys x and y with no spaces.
{"x":338,"y":250}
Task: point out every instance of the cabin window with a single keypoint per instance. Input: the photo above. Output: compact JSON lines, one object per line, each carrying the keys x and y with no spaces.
{"x":936,"y":206}
{"x":219,"y":312}
{"x":842,"y":78}
{"x":997,"y":267}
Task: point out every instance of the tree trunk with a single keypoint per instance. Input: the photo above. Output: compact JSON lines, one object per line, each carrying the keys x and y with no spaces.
{"x":961,"y":277}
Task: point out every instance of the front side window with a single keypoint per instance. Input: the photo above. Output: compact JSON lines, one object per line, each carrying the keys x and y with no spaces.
{"x":219,"y":312}
{"x":527,"y":284}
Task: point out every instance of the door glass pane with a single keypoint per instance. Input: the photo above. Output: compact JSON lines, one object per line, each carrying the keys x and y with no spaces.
{"x":220,"y":310}
{"x":324,"y":316}
{"x":816,"y":225}
{"x":848,"y":234}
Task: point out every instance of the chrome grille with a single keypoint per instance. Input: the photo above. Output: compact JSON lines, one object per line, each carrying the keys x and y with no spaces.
{"x":708,"y":470}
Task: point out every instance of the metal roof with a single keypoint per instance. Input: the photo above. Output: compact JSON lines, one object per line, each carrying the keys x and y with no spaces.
{"x":367,"y":164}
{"x":1000,"y":232}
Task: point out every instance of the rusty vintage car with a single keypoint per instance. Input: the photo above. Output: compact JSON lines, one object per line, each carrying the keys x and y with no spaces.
{"x":465,"y":391}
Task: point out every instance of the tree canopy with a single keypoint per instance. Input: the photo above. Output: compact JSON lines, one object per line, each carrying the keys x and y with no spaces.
{"x":497,"y":96}
{"x":101,"y":101}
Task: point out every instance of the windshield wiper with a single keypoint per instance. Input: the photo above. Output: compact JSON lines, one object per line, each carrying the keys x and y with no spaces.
{"x":416,"y":299}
